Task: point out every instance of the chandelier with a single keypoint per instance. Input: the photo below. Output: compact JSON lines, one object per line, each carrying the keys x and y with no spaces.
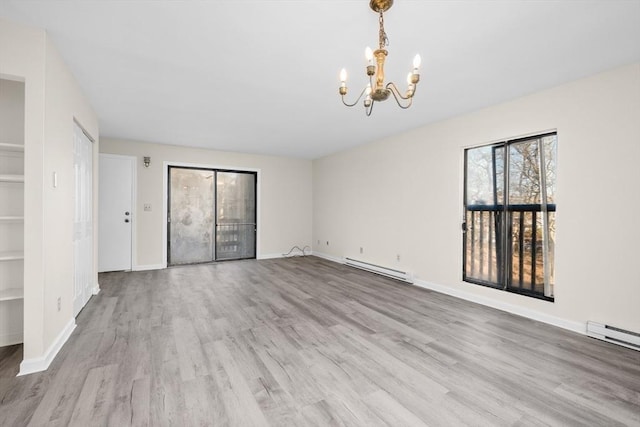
{"x":376,"y":89}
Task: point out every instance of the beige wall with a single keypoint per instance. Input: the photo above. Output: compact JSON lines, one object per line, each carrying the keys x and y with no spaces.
{"x":64,"y":103}
{"x":52,"y":101}
{"x":403,"y":195}
{"x":284,"y":195}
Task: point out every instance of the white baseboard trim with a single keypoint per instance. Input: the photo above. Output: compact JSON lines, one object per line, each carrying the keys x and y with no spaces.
{"x":11,"y":339}
{"x":570,"y":325}
{"x":269,"y":256}
{"x":339,"y":260}
{"x":38,"y":364}
{"x":148,"y":267}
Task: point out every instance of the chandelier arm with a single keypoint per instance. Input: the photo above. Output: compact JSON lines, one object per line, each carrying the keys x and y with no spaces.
{"x":397,"y":96}
{"x":370,"y":109}
{"x":356,"y":101}
{"x":392,"y":86}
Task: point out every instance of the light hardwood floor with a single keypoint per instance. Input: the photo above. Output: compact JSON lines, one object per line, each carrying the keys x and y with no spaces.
{"x":303,"y":341}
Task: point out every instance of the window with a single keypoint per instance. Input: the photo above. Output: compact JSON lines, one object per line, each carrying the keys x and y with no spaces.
{"x":509,"y":215}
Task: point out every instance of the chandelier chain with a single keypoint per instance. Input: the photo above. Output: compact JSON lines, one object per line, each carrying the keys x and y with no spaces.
{"x":383,"y":39}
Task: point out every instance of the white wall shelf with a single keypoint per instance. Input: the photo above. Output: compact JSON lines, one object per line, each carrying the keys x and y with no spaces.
{"x":11,"y":256}
{"x":11,"y":294}
{"x":11,"y":178}
{"x":5,"y":146}
{"x":11,"y":219}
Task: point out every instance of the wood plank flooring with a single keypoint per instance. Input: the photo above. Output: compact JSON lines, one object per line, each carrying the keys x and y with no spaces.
{"x":302,"y":341}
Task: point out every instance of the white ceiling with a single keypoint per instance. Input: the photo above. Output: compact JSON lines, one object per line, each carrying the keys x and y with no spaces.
{"x":262,"y":76}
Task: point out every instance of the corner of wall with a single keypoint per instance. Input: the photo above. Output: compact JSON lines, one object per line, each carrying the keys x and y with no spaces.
{"x":38,"y":364}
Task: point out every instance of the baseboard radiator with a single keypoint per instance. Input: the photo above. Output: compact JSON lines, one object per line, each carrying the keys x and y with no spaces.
{"x":378,"y":269}
{"x":614,"y":335}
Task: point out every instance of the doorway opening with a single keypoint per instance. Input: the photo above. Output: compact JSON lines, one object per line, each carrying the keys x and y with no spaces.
{"x":211,"y":215}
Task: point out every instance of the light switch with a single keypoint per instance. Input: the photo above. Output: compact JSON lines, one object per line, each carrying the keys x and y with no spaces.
{"x":147,"y":207}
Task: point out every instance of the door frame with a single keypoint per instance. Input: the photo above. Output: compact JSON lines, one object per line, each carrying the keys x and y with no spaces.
{"x":134,"y":200}
{"x":165,"y":193}
{"x":94,"y":287}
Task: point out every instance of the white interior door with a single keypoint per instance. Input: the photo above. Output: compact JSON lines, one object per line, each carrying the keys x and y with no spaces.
{"x":115,"y":212}
{"x":83,"y":219}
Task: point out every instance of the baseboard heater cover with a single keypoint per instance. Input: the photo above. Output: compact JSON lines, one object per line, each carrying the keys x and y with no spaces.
{"x":378,"y":269}
{"x":614,"y":335}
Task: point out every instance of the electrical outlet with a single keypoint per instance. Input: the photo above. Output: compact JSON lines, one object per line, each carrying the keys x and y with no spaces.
{"x":361,"y":250}
{"x":59,"y":303}
{"x":147,"y":207}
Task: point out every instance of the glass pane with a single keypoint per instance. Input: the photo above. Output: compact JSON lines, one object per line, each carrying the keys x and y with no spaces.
{"x":531,"y":178}
{"x":484,"y":194}
{"x":524,"y":173}
{"x":235,"y":241}
{"x":191,"y":213}
{"x":551,"y":230}
{"x":550,"y":146}
{"x":236,"y":215}
{"x":481,"y":260}
{"x":480,"y":179}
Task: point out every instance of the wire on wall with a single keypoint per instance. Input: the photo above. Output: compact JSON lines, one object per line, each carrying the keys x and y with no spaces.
{"x":288,"y":254}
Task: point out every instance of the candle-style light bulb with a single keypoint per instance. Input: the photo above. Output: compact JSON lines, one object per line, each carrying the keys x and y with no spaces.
{"x":343,"y":82}
{"x":368,"y":53}
{"x":417,"y":61}
{"x":343,"y":75}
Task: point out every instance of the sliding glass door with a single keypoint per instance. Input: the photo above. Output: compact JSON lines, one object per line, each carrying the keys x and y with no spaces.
{"x":509,"y":219}
{"x":235,"y":215}
{"x":212,"y":215}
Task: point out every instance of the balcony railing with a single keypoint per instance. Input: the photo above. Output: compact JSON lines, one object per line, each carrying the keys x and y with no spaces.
{"x":513,"y":254}
{"x":235,"y":240}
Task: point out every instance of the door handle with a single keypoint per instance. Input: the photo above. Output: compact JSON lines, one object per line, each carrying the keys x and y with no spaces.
{"x":126,"y":220}
{"x":126,"y":213}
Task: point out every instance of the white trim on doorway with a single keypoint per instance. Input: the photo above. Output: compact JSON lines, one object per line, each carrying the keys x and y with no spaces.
{"x":165,"y":186}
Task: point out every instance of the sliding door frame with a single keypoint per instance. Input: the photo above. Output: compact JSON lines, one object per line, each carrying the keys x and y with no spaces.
{"x":221,"y":168}
{"x":503,"y":226}
{"x":215,"y":214}
{"x":168,"y":223}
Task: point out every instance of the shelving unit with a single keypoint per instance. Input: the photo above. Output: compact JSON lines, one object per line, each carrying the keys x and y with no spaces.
{"x":11,"y":211}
